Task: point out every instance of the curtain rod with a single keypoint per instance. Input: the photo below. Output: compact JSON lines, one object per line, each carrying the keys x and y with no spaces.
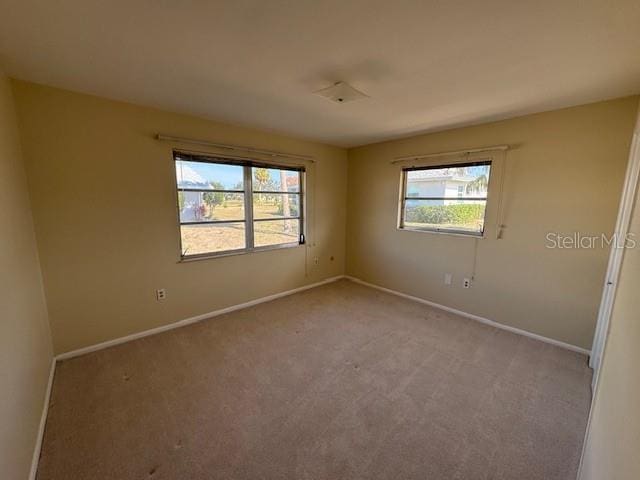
{"x":223,"y":146}
{"x":455,"y":152}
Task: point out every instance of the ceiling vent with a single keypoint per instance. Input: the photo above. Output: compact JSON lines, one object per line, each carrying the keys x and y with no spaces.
{"x":341,"y":92}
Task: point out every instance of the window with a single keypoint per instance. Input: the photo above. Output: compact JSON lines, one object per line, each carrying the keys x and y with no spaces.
{"x":234,"y":206}
{"x":445,"y":198}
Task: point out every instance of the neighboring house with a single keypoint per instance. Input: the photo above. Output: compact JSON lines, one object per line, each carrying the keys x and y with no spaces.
{"x":188,"y":178}
{"x":449,"y":182}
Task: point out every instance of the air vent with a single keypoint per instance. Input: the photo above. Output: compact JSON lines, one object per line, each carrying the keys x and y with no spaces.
{"x":341,"y":92}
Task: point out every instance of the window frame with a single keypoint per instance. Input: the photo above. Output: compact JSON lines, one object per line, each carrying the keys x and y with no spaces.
{"x":446,"y":231}
{"x":248,"y":192}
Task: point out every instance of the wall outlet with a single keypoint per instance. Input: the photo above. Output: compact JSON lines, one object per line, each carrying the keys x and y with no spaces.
{"x":316,"y":260}
{"x":466,"y":283}
{"x":161,"y":294}
{"x":447,"y":279}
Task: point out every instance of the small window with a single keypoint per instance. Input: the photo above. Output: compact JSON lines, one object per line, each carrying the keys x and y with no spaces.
{"x":227,"y":206}
{"x":445,"y":198}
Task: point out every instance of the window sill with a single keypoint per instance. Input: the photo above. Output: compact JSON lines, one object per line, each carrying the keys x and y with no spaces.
{"x":454,"y":233}
{"x":233,"y":253}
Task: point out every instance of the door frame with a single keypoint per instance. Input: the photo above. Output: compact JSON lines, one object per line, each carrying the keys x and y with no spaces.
{"x":616,"y":254}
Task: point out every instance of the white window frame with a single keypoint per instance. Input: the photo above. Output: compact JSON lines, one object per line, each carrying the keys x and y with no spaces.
{"x":448,"y":231}
{"x":248,"y":192}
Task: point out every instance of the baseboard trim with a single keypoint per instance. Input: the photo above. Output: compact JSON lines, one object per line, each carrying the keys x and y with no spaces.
{"x":188,"y":321}
{"x":181,"y":323}
{"x":43,"y":422}
{"x":477,"y":318}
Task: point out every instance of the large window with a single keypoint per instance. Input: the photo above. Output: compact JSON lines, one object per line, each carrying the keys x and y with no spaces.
{"x":445,"y":198}
{"x":228,"y":206}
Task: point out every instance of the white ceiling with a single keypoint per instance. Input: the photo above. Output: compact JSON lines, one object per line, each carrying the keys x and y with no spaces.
{"x":427,"y":65}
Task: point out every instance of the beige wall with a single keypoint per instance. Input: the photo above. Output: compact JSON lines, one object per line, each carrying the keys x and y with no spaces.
{"x":103,"y":201}
{"x":104,"y":207}
{"x":565,"y":174}
{"x":25,"y":341}
{"x":613,"y":440}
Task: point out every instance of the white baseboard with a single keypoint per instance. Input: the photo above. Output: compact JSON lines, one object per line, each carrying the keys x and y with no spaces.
{"x":478,"y":318}
{"x":188,"y":321}
{"x":204,"y":316}
{"x":43,"y":421}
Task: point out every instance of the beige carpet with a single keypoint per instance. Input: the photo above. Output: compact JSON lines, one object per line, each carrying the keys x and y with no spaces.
{"x":338,"y":382}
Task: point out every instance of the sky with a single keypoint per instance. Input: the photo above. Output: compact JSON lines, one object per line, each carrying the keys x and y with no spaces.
{"x":228,"y":175}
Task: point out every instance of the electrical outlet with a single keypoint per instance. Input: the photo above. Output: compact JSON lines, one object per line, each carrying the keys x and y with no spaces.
{"x":316,"y":260}
{"x":161,"y":294}
{"x":466,"y":283}
{"x":447,"y":279}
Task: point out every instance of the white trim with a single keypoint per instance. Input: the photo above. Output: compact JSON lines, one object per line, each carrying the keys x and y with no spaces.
{"x":627,"y":201}
{"x":43,"y":421}
{"x":188,"y":321}
{"x":623,"y":222}
{"x":478,"y":318}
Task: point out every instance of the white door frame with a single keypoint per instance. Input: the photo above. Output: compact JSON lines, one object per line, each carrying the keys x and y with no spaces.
{"x":621,"y":231}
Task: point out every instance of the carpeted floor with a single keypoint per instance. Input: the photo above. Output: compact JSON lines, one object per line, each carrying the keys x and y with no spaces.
{"x":338,"y":382}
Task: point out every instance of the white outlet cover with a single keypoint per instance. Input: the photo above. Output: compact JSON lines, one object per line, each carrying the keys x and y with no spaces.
{"x":447,"y":278}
